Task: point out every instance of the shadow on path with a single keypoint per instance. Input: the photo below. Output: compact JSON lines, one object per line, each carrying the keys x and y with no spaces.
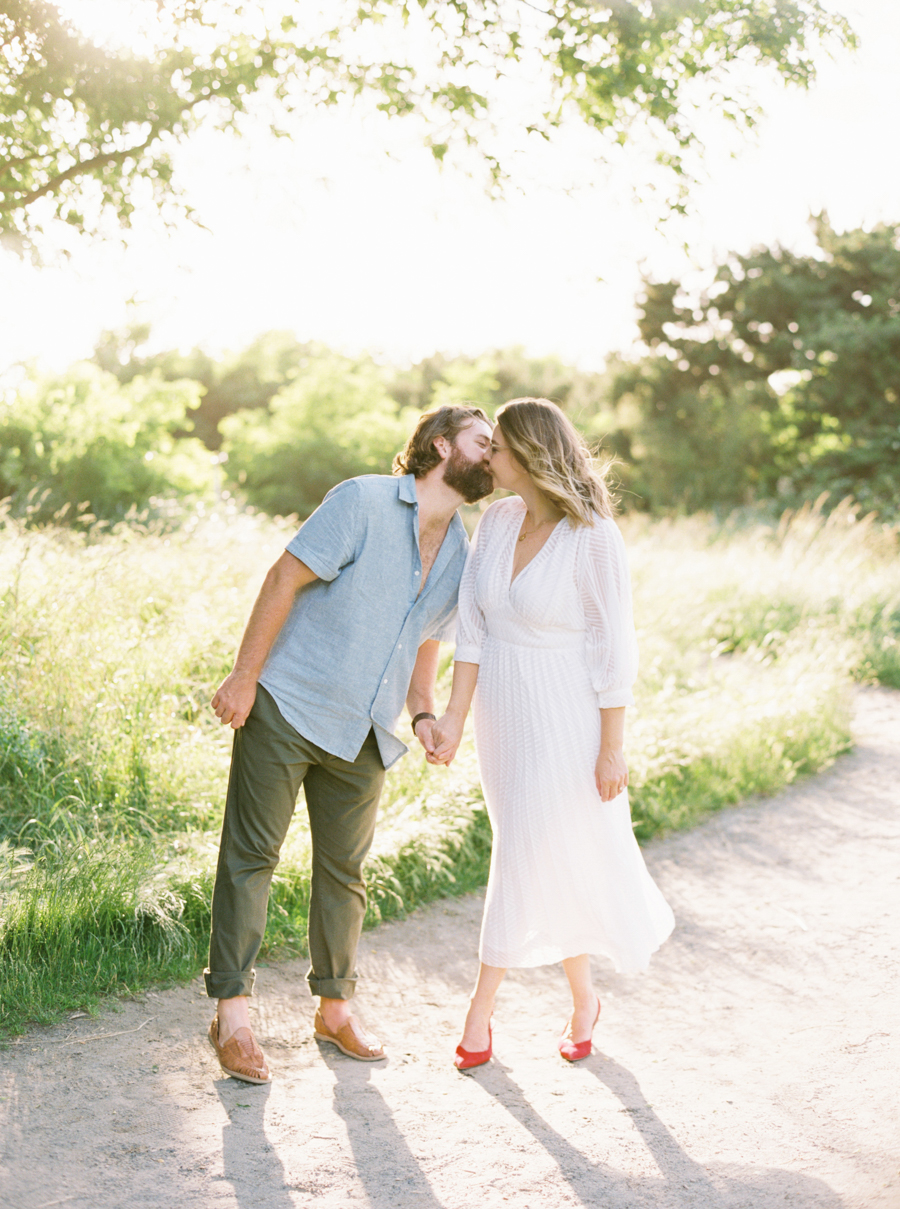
{"x":681,"y":1181}
{"x":389,"y":1171}
{"x":249,"y":1160}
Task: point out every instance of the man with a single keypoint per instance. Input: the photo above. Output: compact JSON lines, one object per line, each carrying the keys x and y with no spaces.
{"x":347,"y":624}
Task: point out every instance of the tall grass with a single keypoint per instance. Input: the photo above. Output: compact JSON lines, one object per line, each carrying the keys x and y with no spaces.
{"x":113,"y":769}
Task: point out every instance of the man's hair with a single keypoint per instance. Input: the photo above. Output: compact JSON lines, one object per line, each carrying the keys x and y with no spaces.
{"x":420,"y":455}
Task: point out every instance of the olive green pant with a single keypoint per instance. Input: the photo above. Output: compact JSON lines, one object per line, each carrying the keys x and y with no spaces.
{"x":269,"y":763}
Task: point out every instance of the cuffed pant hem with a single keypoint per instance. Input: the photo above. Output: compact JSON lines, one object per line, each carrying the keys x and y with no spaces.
{"x":229,"y":985}
{"x":331,"y":988}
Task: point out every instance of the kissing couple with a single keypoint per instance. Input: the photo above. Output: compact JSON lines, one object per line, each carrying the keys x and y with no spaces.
{"x":346,"y":630}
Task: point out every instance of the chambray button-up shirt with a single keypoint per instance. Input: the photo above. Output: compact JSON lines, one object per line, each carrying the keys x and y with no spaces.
{"x":342,"y":662}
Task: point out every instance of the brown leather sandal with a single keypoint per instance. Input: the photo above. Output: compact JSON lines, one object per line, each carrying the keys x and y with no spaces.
{"x":368,"y":1050}
{"x":240,"y":1056}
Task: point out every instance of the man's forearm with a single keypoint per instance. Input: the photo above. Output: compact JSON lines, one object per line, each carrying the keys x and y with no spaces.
{"x":270,"y":612}
{"x":235,"y":695}
{"x":420,"y":697}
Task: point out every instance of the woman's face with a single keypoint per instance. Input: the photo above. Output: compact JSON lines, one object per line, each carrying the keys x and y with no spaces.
{"x":505,"y":469}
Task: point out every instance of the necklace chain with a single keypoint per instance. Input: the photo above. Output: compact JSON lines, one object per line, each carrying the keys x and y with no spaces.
{"x":531,"y":533}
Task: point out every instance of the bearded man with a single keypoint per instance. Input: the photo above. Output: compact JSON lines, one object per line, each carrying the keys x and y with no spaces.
{"x":346,"y":627}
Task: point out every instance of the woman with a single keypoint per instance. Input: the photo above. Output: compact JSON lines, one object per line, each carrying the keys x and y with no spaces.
{"x":545,"y":628}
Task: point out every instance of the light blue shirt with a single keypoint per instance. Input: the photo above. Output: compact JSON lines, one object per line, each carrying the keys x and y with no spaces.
{"x":342,"y":662}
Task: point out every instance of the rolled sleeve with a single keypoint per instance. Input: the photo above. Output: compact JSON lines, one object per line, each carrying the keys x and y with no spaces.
{"x":331,"y":537}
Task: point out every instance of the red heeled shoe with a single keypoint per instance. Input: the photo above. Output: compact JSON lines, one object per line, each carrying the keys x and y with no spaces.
{"x":574,"y":1051}
{"x":465,"y":1059}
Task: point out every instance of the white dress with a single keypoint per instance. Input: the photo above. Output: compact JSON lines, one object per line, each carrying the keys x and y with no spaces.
{"x":554,"y":646}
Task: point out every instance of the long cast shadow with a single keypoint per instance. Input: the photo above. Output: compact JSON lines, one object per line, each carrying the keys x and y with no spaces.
{"x":389,"y":1173}
{"x":681,"y":1181}
{"x":249,"y":1161}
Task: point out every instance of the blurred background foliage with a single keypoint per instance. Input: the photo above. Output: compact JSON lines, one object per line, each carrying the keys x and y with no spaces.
{"x":780,"y":379}
{"x":776,"y":382}
{"x":88,"y":126}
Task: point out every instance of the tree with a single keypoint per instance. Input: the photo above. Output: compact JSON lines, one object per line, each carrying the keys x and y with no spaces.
{"x":334,"y":421}
{"x":87,"y":129}
{"x":241,"y":381}
{"x":784,"y":375}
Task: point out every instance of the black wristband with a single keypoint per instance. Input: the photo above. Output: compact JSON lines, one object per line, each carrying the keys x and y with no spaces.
{"x":418,"y":718}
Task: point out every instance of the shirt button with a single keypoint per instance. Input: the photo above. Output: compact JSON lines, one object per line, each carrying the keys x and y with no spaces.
{"x":417,"y":573}
{"x":399,"y":646}
{"x":384,"y":681}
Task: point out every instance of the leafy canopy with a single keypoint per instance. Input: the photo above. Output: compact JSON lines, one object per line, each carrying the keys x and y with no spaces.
{"x":784,"y":375}
{"x":88,"y":127}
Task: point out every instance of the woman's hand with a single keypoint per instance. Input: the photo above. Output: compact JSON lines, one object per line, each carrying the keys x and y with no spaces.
{"x":610,"y":772}
{"x":447,"y":735}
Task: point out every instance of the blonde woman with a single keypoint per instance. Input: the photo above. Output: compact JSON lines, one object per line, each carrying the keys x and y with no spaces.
{"x":545,"y":631}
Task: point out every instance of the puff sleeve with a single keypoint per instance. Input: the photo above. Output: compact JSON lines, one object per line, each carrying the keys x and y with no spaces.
{"x":605,"y":590}
{"x":470,"y":624}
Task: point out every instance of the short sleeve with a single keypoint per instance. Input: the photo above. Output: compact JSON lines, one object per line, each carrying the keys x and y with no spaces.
{"x":470,"y":626}
{"x":605,"y":589}
{"x":331,"y":537}
{"x":444,"y":629}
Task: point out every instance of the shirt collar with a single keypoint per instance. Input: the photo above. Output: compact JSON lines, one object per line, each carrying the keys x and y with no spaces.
{"x":406,"y":489}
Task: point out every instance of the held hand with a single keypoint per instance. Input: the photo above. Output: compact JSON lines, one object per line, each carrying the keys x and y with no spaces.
{"x":234,"y":699}
{"x":424,"y":735}
{"x":610,"y":773}
{"x":447,"y":735}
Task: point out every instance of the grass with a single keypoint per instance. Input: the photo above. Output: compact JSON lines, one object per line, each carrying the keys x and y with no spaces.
{"x":113,"y":769}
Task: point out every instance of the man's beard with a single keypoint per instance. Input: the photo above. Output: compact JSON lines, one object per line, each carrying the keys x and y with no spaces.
{"x":471,"y":479}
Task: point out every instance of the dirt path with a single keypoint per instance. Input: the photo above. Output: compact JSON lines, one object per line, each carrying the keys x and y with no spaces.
{"x":755,"y":1066}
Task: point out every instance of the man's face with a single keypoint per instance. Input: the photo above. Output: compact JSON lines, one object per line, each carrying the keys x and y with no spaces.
{"x":466,"y":467}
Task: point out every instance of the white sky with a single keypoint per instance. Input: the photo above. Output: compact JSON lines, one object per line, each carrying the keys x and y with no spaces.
{"x":329,"y":236}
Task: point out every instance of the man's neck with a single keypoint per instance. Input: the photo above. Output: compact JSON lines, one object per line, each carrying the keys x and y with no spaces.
{"x":437,"y":501}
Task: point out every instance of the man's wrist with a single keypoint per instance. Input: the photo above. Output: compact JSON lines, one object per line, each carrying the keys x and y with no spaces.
{"x":420,"y":717}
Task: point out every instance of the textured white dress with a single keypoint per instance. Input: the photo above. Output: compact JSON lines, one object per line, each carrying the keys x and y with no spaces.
{"x":554,"y":646}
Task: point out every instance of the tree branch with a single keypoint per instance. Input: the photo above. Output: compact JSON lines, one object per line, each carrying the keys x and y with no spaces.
{"x":91,"y":165}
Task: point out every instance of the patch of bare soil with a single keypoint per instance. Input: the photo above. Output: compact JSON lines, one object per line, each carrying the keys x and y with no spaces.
{"x":755,"y":1065}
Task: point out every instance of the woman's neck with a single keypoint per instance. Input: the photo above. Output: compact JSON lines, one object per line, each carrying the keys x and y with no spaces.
{"x":539,"y":507}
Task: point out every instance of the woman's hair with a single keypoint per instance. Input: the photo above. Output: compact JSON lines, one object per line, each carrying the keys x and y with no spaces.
{"x":554,"y":453}
{"x":420,"y":455}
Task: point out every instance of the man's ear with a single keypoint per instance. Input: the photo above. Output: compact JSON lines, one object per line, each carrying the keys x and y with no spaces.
{"x":443,"y":446}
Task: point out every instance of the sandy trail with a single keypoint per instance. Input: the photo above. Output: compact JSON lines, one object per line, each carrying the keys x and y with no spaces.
{"x":755,"y":1065}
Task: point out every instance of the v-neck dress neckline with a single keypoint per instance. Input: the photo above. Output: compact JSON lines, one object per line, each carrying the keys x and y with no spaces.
{"x":513,"y":578}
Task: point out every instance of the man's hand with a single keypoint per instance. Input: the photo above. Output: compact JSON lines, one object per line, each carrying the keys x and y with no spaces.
{"x":610,"y":773}
{"x":424,"y":733}
{"x":446,"y":734}
{"x":234,"y":699}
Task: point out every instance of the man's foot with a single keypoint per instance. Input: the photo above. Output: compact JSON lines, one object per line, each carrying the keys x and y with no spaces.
{"x":350,"y":1039}
{"x":240,"y":1056}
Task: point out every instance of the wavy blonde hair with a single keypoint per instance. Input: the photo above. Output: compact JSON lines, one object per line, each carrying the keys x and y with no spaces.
{"x":554,"y":453}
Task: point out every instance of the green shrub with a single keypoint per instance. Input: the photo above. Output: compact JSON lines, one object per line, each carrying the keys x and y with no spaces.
{"x":82,"y":439}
